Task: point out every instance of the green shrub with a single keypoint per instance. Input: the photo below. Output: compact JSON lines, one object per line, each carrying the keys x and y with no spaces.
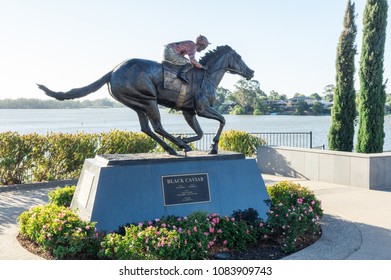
{"x":124,"y":142}
{"x":62,"y":196}
{"x":64,"y":155}
{"x":294,"y":212}
{"x":238,"y":110}
{"x":240,"y":141}
{"x":140,"y":243}
{"x":192,"y":237}
{"x":60,"y":231}
{"x":58,"y":156}
{"x":18,"y":156}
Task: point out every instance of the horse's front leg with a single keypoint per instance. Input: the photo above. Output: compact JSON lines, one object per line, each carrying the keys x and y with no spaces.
{"x":210,"y":113}
{"x":190,"y":117}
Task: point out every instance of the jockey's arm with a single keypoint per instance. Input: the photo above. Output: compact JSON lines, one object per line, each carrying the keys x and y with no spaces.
{"x":196,"y":63}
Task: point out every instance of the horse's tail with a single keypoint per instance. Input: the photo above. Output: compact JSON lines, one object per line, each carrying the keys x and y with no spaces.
{"x":77,"y":92}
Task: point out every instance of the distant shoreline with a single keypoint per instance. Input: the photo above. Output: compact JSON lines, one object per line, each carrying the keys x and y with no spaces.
{"x":33,"y":103}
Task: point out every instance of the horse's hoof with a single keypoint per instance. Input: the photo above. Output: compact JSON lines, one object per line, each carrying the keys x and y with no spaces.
{"x":187,"y":149}
{"x":172,"y":152}
{"x":213,"y":152}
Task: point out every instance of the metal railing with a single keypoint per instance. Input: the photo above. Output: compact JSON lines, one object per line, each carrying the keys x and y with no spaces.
{"x":289,"y":139}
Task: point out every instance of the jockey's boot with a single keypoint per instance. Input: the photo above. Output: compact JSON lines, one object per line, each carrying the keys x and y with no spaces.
{"x":183,"y":72}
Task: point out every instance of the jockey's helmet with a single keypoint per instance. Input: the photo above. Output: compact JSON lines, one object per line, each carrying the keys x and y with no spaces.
{"x":201,"y":40}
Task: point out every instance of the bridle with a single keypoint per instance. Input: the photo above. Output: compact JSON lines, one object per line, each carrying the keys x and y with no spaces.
{"x":232,"y":55}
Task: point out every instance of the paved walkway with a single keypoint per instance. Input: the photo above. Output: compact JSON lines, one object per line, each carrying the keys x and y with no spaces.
{"x":356,"y":224}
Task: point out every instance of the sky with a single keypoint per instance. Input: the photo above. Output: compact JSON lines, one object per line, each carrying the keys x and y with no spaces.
{"x":291,"y":45}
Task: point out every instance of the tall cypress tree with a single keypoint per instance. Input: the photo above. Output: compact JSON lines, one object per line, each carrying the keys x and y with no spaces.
{"x":372,"y":90}
{"x":341,"y":134}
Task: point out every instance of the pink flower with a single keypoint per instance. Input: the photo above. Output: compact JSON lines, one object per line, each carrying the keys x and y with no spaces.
{"x":87,"y":227}
{"x":185,"y":241}
{"x":260,"y":224}
{"x":300,"y":201}
{"x":247,"y":232}
{"x":195,"y":229}
{"x":211,"y":229}
{"x":60,"y":228}
{"x":225,"y":242}
{"x":150,"y":223}
{"x":219,"y":231}
{"x":164,"y":225}
{"x":180,"y":230}
{"x":313,"y":202}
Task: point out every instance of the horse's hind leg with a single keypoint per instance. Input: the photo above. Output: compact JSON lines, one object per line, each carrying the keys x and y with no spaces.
{"x":153,"y":115}
{"x":147,"y":130}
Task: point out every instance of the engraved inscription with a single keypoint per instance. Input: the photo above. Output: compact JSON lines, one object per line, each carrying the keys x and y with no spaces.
{"x":184,"y":189}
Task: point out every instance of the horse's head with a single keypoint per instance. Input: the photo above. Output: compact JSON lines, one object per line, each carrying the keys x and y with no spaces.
{"x":237,"y":66}
{"x":225,"y":58}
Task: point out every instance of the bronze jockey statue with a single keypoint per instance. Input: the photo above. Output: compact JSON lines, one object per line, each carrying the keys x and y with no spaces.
{"x":175,"y":53}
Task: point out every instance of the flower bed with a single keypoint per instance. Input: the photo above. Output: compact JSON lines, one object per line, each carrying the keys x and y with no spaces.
{"x":293,"y":221}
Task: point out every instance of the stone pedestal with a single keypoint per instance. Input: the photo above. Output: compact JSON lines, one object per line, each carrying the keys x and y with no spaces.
{"x":114,"y":190}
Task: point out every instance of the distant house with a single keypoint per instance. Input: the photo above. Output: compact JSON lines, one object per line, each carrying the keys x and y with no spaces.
{"x":310,"y":101}
{"x":326,"y":104}
{"x":278,"y":105}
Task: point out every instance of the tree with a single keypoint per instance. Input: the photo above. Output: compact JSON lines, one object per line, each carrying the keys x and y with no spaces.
{"x":329,"y":93}
{"x":274,"y":95}
{"x":301,"y":107}
{"x":372,"y":90}
{"x":222,"y":95}
{"x":248,"y":95}
{"x":343,"y":113}
{"x":316,"y":96}
{"x":318,"y":108}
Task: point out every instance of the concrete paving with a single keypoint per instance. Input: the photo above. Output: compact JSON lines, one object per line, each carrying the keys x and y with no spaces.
{"x":356,"y":224}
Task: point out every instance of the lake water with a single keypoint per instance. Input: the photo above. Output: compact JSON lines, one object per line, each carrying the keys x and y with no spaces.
{"x":99,"y":120}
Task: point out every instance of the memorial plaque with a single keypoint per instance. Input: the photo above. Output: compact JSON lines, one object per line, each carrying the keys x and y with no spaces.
{"x":185,"y":189}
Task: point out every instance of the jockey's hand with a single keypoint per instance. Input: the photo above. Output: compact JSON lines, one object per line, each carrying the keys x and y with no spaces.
{"x":198,"y":65}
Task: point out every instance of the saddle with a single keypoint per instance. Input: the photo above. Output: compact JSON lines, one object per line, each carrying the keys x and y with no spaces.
{"x":172,"y":82}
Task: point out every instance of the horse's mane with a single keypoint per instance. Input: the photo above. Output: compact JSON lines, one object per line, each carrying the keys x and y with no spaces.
{"x":213,"y":53}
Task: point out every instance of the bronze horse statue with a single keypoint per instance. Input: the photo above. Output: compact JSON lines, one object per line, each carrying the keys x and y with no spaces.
{"x":141,"y":85}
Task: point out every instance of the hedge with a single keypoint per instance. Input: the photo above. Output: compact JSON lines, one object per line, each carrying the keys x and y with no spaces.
{"x":58,"y":156}
{"x":33,"y":157}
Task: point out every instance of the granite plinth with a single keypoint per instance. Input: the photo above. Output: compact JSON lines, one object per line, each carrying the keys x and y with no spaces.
{"x":150,"y":158}
{"x":114,"y":190}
